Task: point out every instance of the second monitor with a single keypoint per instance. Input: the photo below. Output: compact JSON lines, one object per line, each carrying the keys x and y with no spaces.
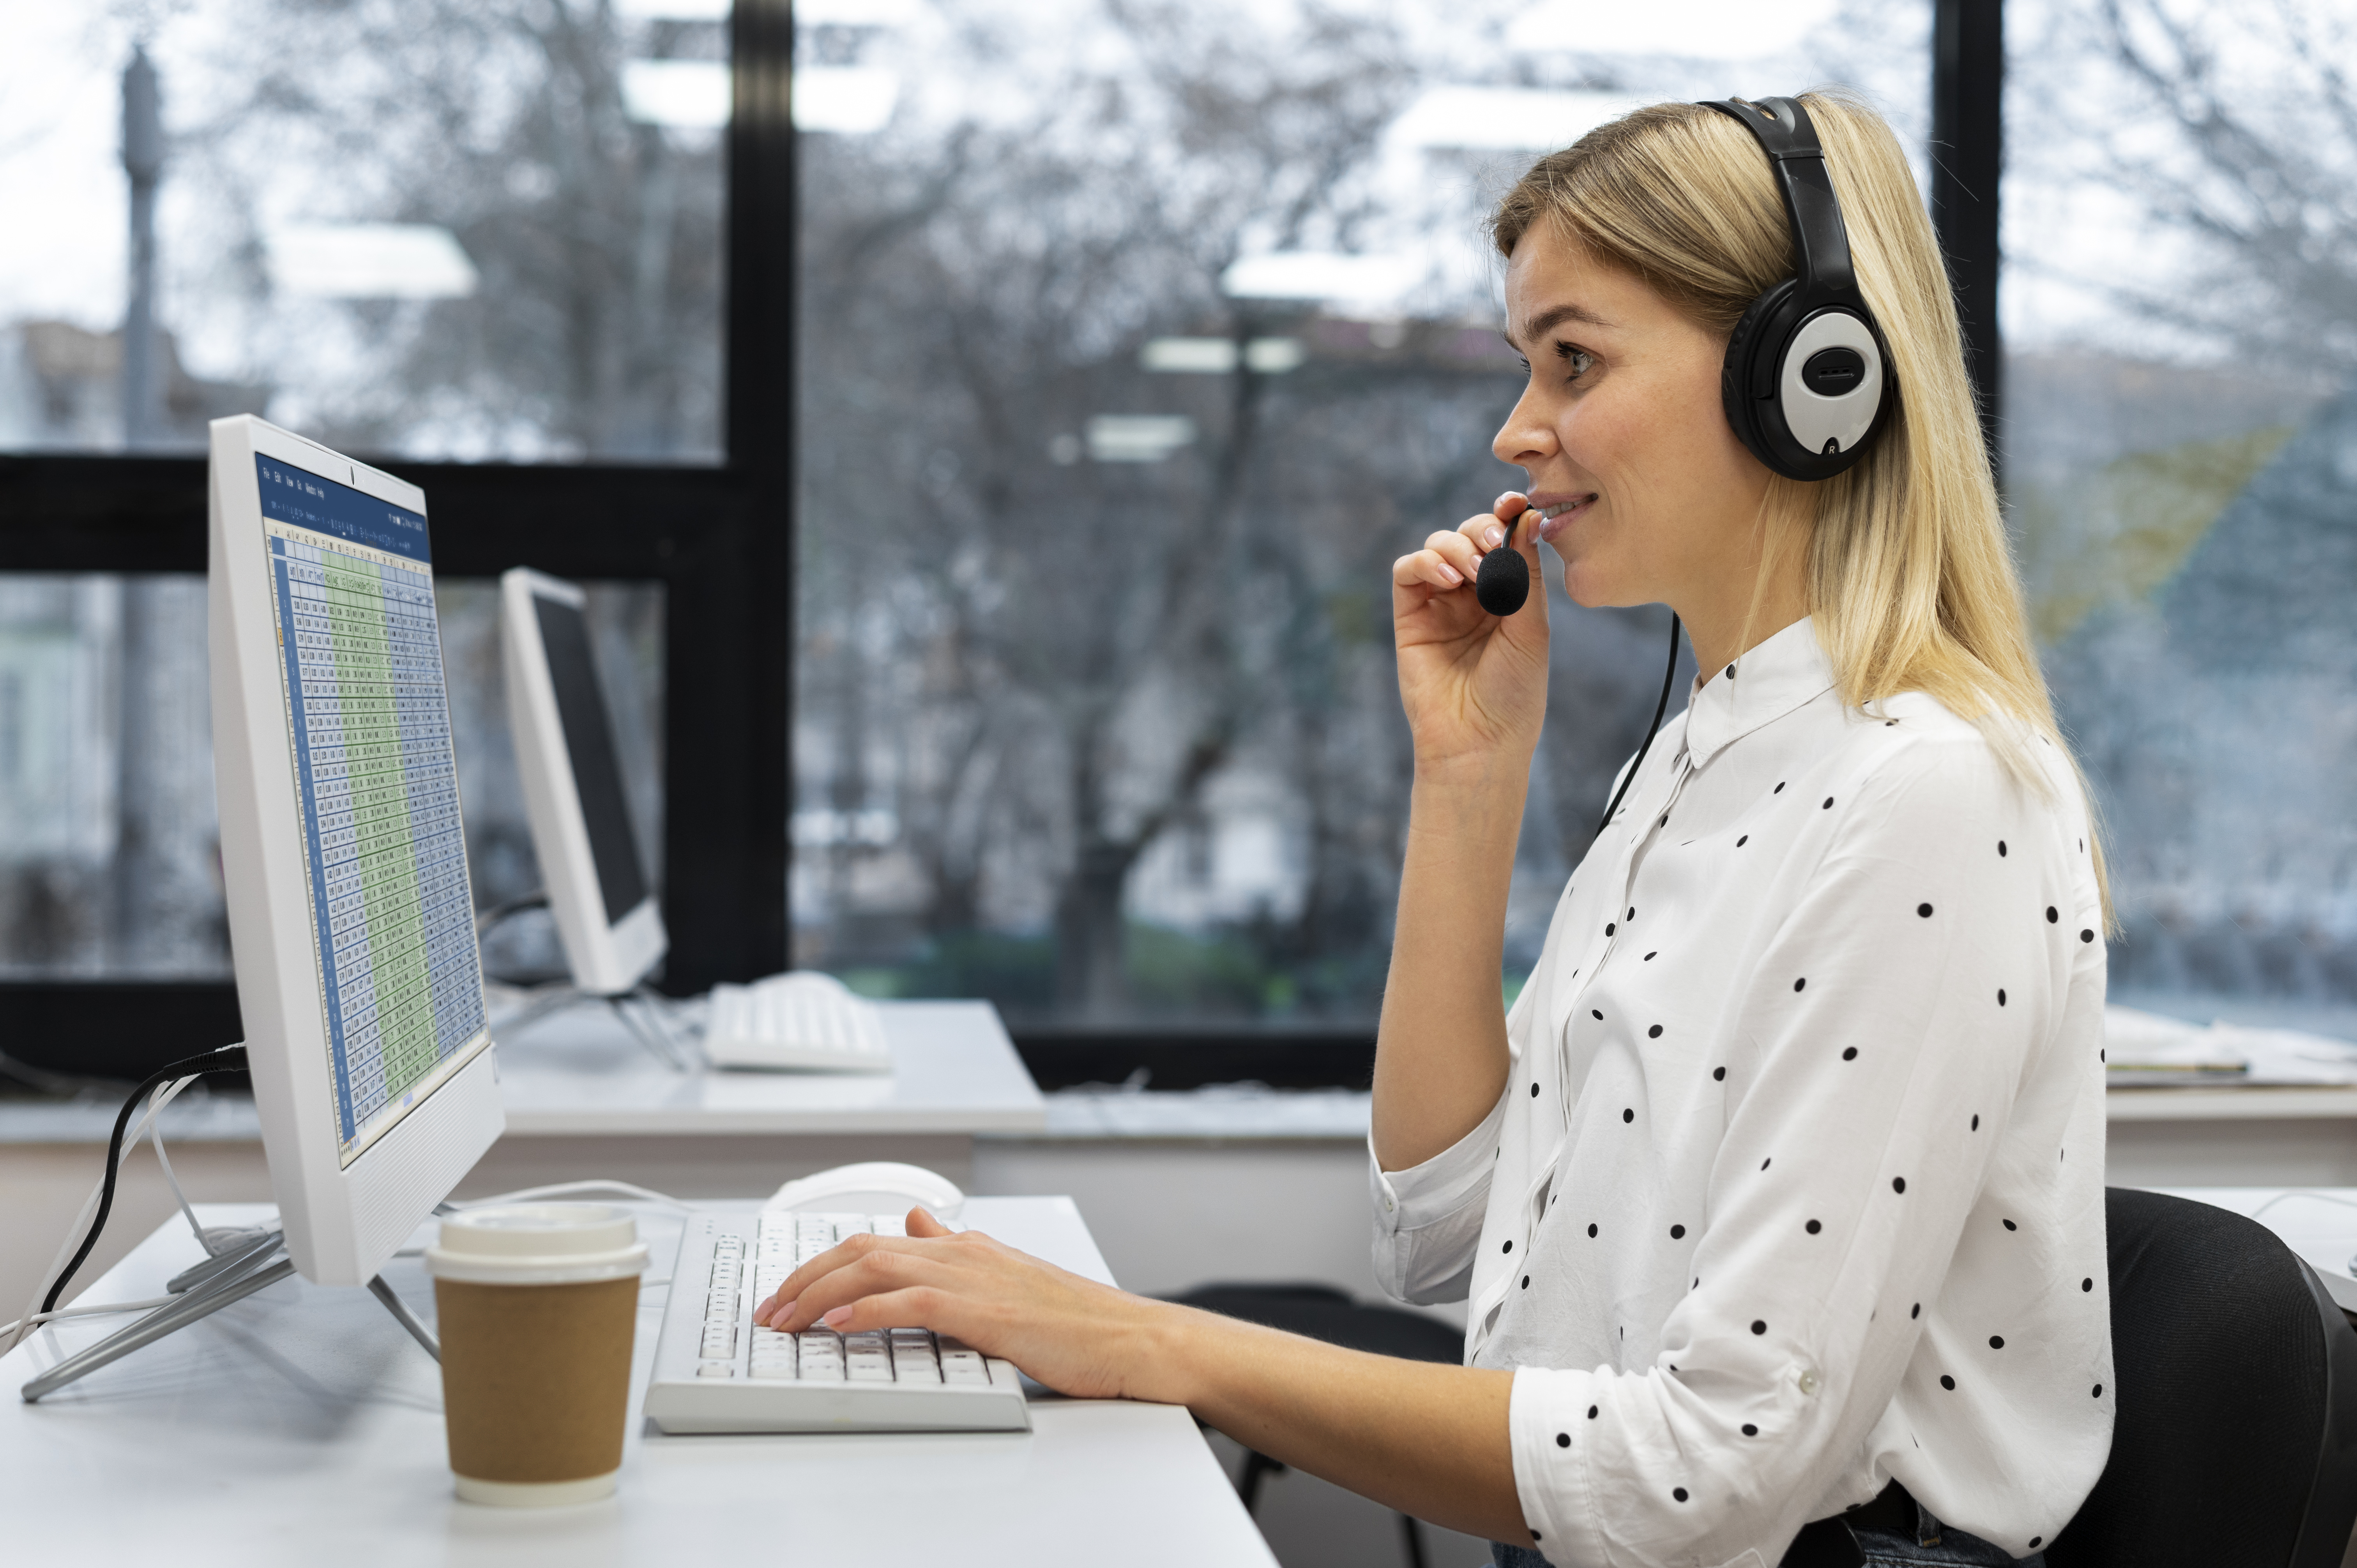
{"x":598,"y":892}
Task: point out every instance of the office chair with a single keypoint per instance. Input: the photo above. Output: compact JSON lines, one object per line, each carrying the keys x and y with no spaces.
{"x":2234,"y":1443}
{"x":1321,"y":1311}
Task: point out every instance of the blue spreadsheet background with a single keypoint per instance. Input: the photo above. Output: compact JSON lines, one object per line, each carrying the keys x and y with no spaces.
{"x":399,"y":971}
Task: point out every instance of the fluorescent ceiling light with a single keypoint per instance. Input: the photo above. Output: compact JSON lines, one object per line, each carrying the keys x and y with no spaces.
{"x":691,"y":94}
{"x":1507,"y":119}
{"x":1274,"y":356}
{"x":847,"y":99}
{"x":370,"y":261}
{"x":1694,"y":29}
{"x":1217,"y":356}
{"x":855,"y":13}
{"x":1322,"y":276}
{"x":676,"y":10}
{"x":1138,"y":437}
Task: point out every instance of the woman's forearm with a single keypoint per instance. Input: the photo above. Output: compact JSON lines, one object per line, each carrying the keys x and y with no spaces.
{"x":1440,"y":1053}
{"x":1428,"y":1439}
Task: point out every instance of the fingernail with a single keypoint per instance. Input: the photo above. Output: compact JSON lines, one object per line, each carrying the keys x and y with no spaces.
{"x":1494,"y":538}
{"x":837,"y":1318}
{"x":1451,"y":573}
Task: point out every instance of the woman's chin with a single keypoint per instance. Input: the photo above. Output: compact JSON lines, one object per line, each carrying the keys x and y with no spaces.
{"x":1588,"y":587}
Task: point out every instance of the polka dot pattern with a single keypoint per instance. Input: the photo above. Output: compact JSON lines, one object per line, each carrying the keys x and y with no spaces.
{"x":1867,"y":1073}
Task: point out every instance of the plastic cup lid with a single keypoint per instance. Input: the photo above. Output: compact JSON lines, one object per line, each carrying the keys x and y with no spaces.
{"x":538,"y":1243}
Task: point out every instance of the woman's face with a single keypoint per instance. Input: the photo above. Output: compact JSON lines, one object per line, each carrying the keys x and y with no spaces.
{"x":1647,"y":496}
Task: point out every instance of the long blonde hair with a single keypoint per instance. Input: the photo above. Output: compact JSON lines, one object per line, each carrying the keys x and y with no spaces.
{"x":1907,"y":573}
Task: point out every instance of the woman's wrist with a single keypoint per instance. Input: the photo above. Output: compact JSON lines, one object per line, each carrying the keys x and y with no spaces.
{"x":1172,"y":1355}
{"x":1471,"y":796}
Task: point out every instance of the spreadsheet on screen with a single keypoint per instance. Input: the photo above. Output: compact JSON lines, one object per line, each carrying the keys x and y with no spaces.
{"x":385,"y":856}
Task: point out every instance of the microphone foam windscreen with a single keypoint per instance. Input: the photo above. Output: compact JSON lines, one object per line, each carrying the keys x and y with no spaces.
{"x":1503,"y":582}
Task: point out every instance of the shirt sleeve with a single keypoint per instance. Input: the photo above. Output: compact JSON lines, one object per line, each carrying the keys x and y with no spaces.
{"x":1428,"y":1217}
{"x":1872,"y":1061}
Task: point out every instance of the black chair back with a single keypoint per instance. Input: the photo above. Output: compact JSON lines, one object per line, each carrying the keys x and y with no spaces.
{"x":2234,"y":1443}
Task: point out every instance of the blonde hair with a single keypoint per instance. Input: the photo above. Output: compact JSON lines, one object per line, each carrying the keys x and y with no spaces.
{"x":1907,"y":573}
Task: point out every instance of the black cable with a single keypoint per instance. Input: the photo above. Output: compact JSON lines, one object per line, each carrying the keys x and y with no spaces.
{"x":1669,"y":678}
{"x":229,"y":1058}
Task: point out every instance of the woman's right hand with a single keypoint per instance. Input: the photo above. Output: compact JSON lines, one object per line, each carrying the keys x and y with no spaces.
{"x":1474,"y":685}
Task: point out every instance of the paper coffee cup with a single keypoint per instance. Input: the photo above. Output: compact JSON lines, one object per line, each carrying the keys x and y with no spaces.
{"x":539,"y":1305}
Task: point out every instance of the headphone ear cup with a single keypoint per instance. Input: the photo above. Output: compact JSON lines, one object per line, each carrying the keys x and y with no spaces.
{"x":1739,"y":372}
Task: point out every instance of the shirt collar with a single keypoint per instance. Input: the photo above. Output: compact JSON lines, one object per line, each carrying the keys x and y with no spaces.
{"x":1776,"y":677}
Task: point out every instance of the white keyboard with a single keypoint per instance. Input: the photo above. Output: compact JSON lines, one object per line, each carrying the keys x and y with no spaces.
{"x":802,"y":1019}
{"x":713,"y":1375}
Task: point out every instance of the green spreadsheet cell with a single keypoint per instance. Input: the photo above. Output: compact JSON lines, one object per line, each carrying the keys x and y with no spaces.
{"x":381,"y":803}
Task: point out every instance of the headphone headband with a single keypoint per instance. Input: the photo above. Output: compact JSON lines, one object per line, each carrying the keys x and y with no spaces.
{"x":1783,"y":129}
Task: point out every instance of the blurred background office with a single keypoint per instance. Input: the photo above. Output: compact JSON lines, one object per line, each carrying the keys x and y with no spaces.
{"x":1130,"y":342}
{"x":986,"y":424}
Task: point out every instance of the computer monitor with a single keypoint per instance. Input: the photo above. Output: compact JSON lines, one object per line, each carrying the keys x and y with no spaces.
{"x":350,"y":915}
{"x":598,"y":887}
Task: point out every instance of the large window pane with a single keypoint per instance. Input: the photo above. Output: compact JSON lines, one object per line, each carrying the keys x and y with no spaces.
{"x":110,"y":847}
{"x":1136,"y":343}
{"x":2181,"y":305}
{"x":469,"y":229}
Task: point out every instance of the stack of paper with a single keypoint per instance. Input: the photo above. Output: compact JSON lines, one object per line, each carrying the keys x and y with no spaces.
{"x":2145,"y":1050}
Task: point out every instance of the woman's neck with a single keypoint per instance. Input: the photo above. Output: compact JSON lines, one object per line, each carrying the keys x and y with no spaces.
{"x":1724,"y":621}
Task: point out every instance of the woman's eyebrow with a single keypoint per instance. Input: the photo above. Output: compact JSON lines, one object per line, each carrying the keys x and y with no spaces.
{"x":1553,"y":316}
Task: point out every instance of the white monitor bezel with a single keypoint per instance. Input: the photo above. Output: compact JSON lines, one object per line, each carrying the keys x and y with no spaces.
{"x":608,"y":959}
{"x":342,"y":1222}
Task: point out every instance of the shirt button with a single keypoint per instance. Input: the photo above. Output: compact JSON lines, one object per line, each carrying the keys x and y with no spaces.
{"x":1808,"y":1381}
{"x":1387,"y":1206}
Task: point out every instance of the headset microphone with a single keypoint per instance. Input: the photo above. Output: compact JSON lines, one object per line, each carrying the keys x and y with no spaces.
{"x":1504,"y":583}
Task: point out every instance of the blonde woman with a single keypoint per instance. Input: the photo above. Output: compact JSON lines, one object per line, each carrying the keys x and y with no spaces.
{"x":1778,"y":1195}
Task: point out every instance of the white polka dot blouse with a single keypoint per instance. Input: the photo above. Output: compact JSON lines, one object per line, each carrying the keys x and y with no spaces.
{"x":1797,"y":1183}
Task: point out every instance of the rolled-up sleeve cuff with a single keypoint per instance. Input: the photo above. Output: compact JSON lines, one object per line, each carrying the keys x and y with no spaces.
{"x":1550,"y":1429}
{"x":1441,"y":1187}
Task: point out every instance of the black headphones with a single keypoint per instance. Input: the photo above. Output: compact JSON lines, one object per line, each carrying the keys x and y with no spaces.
{"x":1807,"y":379}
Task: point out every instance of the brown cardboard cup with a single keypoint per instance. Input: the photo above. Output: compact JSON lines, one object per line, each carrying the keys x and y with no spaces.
{"x":539,"y":1305}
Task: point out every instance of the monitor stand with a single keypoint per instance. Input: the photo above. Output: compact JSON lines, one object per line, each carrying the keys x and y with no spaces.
{"x":639,"y":1010}
{"x":204,"y":1289}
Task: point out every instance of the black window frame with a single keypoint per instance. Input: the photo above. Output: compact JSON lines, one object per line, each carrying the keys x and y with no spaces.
{"x":718,"y":539}
{"x":721,"y":542}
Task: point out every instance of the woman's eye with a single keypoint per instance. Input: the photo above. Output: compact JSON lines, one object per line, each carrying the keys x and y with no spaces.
{"x":1578,"y":360}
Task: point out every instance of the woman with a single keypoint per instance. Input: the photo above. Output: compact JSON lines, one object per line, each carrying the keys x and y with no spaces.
{"x":1778,"y":1194}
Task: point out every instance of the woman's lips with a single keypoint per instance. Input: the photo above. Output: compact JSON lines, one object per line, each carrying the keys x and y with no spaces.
{"x":1558,"y":515}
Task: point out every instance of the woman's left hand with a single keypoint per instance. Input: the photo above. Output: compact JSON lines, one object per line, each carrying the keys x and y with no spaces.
{"x":1075,"y":1335}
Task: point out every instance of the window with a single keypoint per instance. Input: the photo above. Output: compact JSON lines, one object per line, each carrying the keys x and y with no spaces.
{"x":110,"y":854}
{"x":1136,"y":345}
{"x":417,"y":228}
{"x":691,"y":573}
{"x":2178,"y":446}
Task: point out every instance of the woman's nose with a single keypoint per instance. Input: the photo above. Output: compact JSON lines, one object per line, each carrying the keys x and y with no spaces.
{"x":1525,"y":437}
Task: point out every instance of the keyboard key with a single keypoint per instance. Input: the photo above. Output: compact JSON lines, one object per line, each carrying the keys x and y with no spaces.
{"x":715,"y":1369}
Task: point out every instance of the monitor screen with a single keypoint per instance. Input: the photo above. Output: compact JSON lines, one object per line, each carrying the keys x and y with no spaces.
{"x":590,"y":745}
{"x":400,"y":979}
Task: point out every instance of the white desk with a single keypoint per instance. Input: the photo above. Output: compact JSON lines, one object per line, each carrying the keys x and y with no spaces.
{"x":302,"y":1426}
{"x":582,"y":1099}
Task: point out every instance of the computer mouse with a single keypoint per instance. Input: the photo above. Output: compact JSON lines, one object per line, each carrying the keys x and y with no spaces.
{"x":872,"y":1187}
